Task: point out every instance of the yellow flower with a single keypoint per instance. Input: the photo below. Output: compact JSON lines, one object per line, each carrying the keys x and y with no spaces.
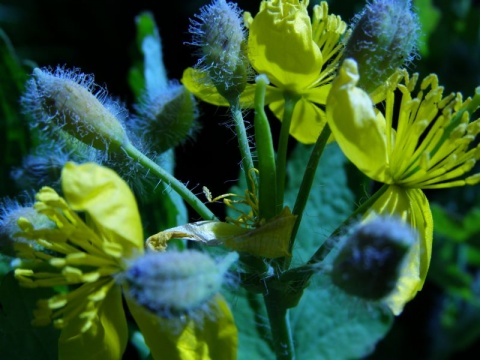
{"x":92,"y":256}
{"x":409,"y":143}
{"x":299,"y":55}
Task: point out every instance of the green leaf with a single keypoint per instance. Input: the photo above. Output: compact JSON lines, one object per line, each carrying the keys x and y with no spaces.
{"x":429,"y":17}
{"x":13,"y":132}
{"x":19,"y":340}
{"x":457,"y":228}
{"x":329,"y":324}
{"x":252,"y":324}
{"x":164,"y":208}
{"x":149,"y":72}
{"x":330,"y":201}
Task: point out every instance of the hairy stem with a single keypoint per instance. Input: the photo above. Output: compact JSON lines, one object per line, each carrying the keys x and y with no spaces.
{"x":278,"y":316}
{"x":169,"y":179}
{"x":247,"y":162}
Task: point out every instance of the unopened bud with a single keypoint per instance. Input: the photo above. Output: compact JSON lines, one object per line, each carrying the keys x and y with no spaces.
{"x":167,"y":119}
{"x":172,"y":283}
{"x":384,"y":38}
{"x":15,"y":217}
{"x":63,"y":100}
{"x":369,"y":263}
{"x":220,"y":34}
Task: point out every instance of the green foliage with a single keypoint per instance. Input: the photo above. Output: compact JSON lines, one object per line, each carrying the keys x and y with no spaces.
{"x":429,"y":17}
{"x":13,"y":132}
{"x":148,"y":72}
{"x":20,"y":340}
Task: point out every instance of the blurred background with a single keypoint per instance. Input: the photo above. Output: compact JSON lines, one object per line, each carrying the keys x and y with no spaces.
{"x":98,"y":36}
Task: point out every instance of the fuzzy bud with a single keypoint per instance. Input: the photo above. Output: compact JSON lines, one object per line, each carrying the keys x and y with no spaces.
{"x":172,"y":283}
{"x":384,"y":38}
{"x":14,"y":218}
{"x":369,"y":263}
{"x":64,"y":100}
{"x":167,"y":119}
{"x":220,"y":34}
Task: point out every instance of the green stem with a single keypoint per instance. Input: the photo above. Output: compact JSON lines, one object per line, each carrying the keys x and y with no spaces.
{"x":169,"y":179}
{"x":243,"y":145}
{"x":329,"y":244}
{"x":278,"y":316}
{"x":307,"y":181}
{"x":302,"y":274}
{"x":282,"y":149}
{"x":265,"y":153}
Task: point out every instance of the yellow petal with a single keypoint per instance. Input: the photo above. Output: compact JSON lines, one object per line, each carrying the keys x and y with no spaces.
{"x":214,"y":337}
{"x":412,"y":206}
{"x":108,"y":201}
{"x":359,"y":131}
{"x":105,"y":340}
{"x":281,"y":46}
{"x":308,"y":120}
{"x":199,"y":84}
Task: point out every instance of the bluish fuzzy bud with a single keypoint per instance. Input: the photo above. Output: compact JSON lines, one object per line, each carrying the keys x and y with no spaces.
{"x":44,"y":165}
{"x":384,"y":38}
{"x":65,"y":100}
{"x":167,"y":119}
{"x":219,"y":32}
{"x":173,"y":283}
{"x":14,"y":216}
{"x":369,"y":263}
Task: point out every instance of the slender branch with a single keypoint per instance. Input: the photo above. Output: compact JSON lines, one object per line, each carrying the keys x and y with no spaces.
{"x":307,"y":181}
{"x":175,"y":184}
{"x":278,"y":316}
{"x":302,"y":274}
{"x":247,"y":161}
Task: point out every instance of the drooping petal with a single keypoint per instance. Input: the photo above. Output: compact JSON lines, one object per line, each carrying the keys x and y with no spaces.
{"x":359,"y":131}
{"x":281,"y":46}
{"x":269,"y":240}
{"x":105,"y":340}
{"x":213,"y":337}
{"x":199,"y":84}
{"x":412,"y":206}
{"x":196,"y":82}
{"x":108,"y":201}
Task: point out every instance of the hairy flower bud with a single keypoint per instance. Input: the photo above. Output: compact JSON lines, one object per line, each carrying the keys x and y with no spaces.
{"x":384,"y":38}
{"x":14,"y":217}
{"x":370,"y":260}
{"x":220,"y":34}
{"x":171,"y":283}
{"x":167,"y":119}
{"x":64,"y":100}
